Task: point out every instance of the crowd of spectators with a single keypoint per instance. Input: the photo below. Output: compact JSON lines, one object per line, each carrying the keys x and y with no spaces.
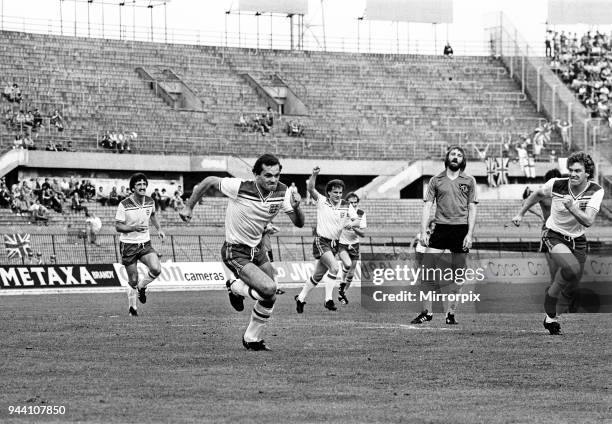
{"x":118,"y":141}
{"x":260,"y":123}
{"x":12,"y":93}
{"x":585,"y":65}
{"x":26,"y":123}
{"x":163,"y":200}
{"x":295,"y":129}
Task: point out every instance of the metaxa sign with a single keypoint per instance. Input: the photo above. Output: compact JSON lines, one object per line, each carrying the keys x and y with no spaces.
{"x":54,"y":276}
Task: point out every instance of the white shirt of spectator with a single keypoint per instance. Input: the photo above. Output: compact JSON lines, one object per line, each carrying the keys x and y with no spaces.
{"x":561,"y":220}
{"x":95,"y":222}
{"x":248,"y":211}
{"x":131,"y":213}
{"x":332,"y":219}
{"x":349,"y":236}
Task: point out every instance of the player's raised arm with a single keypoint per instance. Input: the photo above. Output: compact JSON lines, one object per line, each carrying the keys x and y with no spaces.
{"x":296,"y":215}
{"x":198,"y":192}
{"x":310,"y":186}
{"x":533,"y":198}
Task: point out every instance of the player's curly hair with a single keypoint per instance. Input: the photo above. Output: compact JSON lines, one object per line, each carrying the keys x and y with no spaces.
{"x":585,"y":160}
{"x":139,"y":176}
{"x":463,"y":162}
{"x":333,"y":183}
{"x":268,"y":160}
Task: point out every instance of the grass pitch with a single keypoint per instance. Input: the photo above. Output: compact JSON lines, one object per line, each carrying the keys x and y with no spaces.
{"x":182,"y":360}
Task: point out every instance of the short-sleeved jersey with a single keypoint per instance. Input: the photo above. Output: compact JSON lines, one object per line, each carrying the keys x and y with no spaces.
{"x":452,"y":197}
{"x":561,"y":220}
{"x":331,"y":219}
{"x":349,"y":236}
{"x":249,"y":211}
{"x":131,"y":212}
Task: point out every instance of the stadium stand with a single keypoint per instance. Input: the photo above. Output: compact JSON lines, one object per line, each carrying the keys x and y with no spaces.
{"x":404,"y":104}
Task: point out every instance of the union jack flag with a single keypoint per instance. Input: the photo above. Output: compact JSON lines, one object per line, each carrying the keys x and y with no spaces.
{"x":17,"y":245}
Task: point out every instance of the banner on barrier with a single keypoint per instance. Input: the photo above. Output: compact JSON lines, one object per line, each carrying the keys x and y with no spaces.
{"x":57,"y":276}
{"x":192,"y":274}
{"x":212,"y":274}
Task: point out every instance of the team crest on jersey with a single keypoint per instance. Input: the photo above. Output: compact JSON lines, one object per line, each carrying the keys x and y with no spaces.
{"x":274,"y":208}
{"x":464,"y":188}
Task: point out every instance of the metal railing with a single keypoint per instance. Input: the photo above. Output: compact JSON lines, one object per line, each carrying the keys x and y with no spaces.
{"x":74,"y":247}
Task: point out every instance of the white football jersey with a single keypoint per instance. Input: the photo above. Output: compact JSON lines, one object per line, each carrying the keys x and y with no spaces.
{"x":249,"y":211}
{"x":131,"y":212}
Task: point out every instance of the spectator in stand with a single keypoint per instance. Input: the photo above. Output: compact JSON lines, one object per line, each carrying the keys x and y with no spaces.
{"x":15,"y":95}
{"x":269,"y":118}
{"x":106,"y":141}
{"x":165,"y":199}
{"x":65,"y":188}
{"x":177,"y":202}
{"x":57,"y":189}
{"x":39,"y":213}
{"x":242,"y":123}
{"x":57,"y":120}
{"x":45,"y":197}
{"x":101,"y":197}
{"x":122,"y":193}
{"x":295,"y":129}
{"x":18,"y":141}
{"x":113,"y":197}
{"x":28,"y":143}
{"x":120,"y":142}
{"x":523,"y":158}
{"x":548,"y":43}
{"x":37,"y":118}
{"x":94,"y":225}
{"x":5,"y":195}
{"x":553,"y":157}
{"x":156,"y":196}
{"x":129,"y":139}
{"x":76,"y":202}
{"x":448,"y":50}
{"x":90,"y":190}
{"x":6,"y":93}
{"x":55,"y":202}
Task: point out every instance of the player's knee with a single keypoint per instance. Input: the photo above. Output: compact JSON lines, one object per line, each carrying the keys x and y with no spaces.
{"x":571,"y":272}
{"x":268,"y":290}
{"x":333,"y":268}
{"x":155,"y":270}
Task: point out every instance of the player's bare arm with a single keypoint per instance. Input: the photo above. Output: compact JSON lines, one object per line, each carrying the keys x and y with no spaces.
{"x":297,"y":216}
{"x":122,"y":227}
{"x":424,"y":222}
{"x":359,"y":231}
{"x":198,"y":192}
{"x":467,"y":241}
{"x":534,"y":198}
{"x":586,"y":217}
{"x":310,"y":186}
{"x":156,"y":225}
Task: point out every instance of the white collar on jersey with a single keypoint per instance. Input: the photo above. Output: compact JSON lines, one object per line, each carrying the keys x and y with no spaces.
{"x":571,"y":192}
{"x":261,"y":196}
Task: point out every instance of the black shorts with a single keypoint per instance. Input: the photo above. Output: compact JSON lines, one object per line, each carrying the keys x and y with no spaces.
{"x":320,"y":245}
{"x":351,"y":249}
{"x":449,"y":237}
{"x":577,"y":245}
{"x":133,"y":252}
{"x":236,"y":256}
